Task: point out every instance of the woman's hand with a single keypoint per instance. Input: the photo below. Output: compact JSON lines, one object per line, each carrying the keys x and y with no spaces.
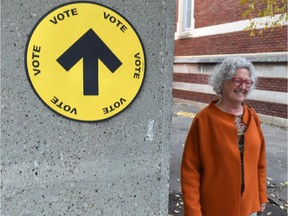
{"x":263,"y":206}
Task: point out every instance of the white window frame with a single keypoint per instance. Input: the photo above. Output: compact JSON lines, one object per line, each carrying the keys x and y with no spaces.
{"x":182,"y":15}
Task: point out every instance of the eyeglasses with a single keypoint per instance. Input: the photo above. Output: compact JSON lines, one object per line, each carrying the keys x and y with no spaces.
{"x":238,"y":82}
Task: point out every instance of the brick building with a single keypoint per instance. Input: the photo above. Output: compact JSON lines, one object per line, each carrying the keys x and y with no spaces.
{"x":208,"y":31}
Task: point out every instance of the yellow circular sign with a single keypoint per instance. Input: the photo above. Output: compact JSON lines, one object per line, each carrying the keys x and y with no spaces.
{"x":85,"y":61}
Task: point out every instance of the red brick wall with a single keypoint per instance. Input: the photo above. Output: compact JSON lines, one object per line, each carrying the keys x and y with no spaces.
{"x":233,"y":43}
{"x":264,"y":83}
{"x":194,"y":96}
{"x":211,"y":12}
{"x":190,"y":78}
{"x":272,"y":84}
{"x":268,"y":108}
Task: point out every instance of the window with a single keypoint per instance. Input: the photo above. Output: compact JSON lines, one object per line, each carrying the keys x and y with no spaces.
{"x":187,"y":11}
{"x":185,"y":23}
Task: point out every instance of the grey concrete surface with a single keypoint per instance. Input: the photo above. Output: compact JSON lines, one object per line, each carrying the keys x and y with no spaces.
{"x":276,"y":145}
{"x":51,"y":165}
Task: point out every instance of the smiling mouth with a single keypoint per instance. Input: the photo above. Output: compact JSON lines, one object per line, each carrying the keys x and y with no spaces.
{"x":239,"y":92}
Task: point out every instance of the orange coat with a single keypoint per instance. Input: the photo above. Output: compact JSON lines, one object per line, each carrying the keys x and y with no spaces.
{"x":211,"y":165}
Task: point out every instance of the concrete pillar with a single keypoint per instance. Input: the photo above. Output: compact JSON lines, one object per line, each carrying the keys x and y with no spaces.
{"x":52,"y":165}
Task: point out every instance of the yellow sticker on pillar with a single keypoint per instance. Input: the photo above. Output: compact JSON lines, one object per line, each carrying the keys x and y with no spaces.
{"x":85,"y":61}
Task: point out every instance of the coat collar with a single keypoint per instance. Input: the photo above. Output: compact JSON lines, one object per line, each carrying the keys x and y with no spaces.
{"x":247,"y":113}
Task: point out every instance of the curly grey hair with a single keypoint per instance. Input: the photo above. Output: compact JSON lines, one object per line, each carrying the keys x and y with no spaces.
{"x":227,"y":69}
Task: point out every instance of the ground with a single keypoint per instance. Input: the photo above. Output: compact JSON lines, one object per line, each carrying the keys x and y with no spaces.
{"x":277,"y":205}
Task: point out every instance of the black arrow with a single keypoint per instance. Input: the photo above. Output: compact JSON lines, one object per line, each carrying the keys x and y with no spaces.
{"x":91,"y":48}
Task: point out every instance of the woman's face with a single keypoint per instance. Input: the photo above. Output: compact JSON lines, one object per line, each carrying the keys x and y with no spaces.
{"x":236,"y":90}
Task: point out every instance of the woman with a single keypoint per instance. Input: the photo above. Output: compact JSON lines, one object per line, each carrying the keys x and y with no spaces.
{"x":223,"y":171}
